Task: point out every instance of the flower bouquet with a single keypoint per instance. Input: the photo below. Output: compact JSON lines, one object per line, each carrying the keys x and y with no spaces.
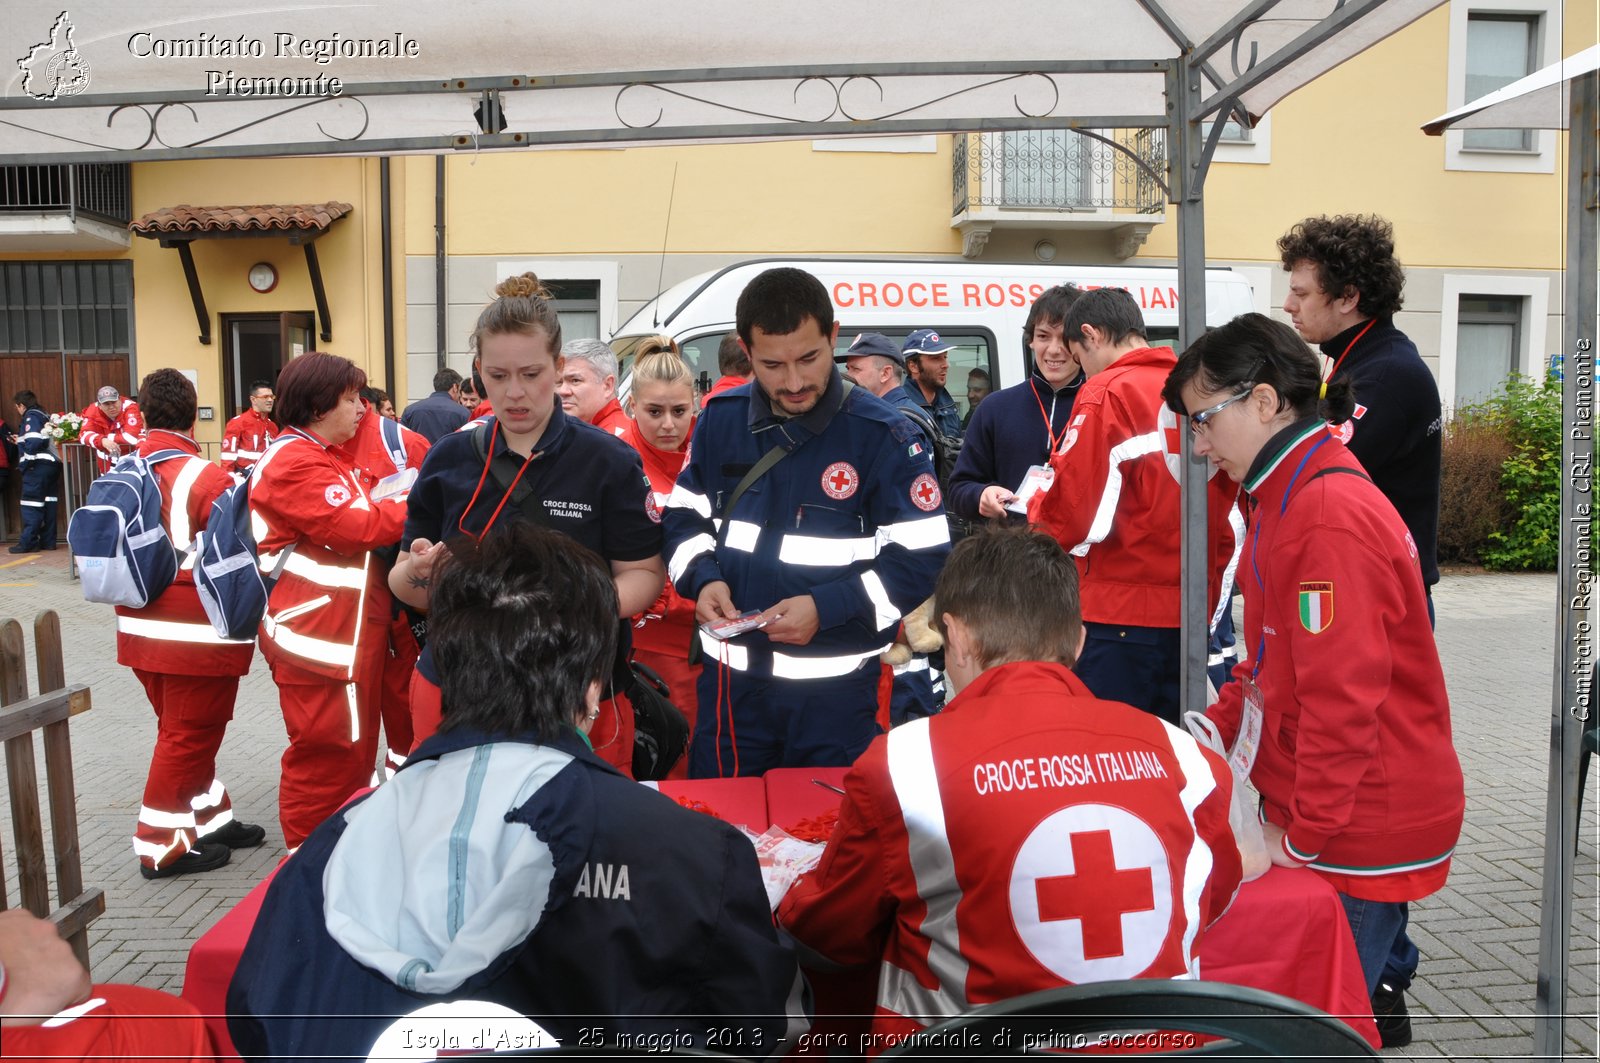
{"x":63,"y":427}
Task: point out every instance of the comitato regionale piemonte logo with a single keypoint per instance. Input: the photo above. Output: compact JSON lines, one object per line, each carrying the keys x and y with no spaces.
{"x":54,"y":68}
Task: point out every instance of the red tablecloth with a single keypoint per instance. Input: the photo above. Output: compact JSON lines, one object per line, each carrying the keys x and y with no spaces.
{"x":212,"y":960}
{"x":742,"y":801}
{"x":1286,"y":932}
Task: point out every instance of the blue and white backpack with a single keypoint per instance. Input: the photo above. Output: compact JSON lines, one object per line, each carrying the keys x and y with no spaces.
{"x":124,"y":554}
{"x":227,"y":574}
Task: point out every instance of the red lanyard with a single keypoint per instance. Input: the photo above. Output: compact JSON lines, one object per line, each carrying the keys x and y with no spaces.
{"x":1049,"y":431}
{"x":1351,"y":346}
{"x":461,"y":522}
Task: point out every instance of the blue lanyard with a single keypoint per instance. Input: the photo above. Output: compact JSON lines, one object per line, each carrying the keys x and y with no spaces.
{"x":1261,"y":647}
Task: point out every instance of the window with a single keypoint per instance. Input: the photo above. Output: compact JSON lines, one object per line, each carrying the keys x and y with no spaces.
{"x":1490,"y":326}
{"x":1488,"y":329}
{"x":1242,"y":145}
{"x":577,"y":304}
{"x":1500,"y":49}
{"x":1493,"y":43}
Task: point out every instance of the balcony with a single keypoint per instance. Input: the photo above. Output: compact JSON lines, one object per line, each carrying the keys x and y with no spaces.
{"x":1058,"y":179}
{"x":65,"y":208}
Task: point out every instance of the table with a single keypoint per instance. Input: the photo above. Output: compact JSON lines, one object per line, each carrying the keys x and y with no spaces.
{"x":741,"y":802}
{"x":1285,"y":933}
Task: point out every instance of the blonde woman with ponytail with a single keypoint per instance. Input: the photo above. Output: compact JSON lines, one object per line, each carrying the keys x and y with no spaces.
{"x":662,"y":407}
{"x":530,"y":462}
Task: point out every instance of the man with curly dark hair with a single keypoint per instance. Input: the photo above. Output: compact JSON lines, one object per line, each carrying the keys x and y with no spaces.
{"x":1344,"y":289}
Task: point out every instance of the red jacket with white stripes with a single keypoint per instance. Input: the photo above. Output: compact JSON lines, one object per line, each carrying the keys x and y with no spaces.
{"x":1116,"y":505}
{"x":127,"y":430}
{"x":245,"y":440}
{"x":1356,"y":761}
{"x":1028,"y":836}
{"x":329,"y":594}
{"x":172,"y":635}
{"x":668,"y":626}
{"x":368,"y":452}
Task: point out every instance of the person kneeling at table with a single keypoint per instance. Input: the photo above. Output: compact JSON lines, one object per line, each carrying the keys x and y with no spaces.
{"x":507,"y":870}
{"x":1029,"y":836}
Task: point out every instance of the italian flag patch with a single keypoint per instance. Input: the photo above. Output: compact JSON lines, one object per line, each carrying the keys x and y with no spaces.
{"x":1316,"y":606}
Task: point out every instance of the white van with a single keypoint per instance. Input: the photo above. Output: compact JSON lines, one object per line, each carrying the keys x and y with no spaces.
{"x":980,"y":307}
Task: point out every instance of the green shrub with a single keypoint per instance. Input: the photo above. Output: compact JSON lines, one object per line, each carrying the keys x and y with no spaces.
{"x":1530,"y":418}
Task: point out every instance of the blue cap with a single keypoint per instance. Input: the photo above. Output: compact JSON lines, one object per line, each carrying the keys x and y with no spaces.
{"x":873,"y":343}
{"x":926,"y":341}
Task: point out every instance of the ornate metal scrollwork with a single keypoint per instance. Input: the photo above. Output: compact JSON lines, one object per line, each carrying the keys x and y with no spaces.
{"x":832,"y":105}
{"x":151,"y":131}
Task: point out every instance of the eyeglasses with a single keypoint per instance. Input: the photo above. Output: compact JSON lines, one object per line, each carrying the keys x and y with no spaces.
{"x":1201,"y":421}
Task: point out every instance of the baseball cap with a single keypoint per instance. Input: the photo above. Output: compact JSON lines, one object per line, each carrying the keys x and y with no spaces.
{"x":107,"y":394}
{"x":873,"y":343}
{"x":926,"y":341}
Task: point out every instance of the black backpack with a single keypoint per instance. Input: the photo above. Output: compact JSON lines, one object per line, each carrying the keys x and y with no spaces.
{"x":946,"y":450}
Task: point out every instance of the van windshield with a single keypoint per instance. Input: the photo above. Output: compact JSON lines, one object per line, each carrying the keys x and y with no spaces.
{"x":700,"y":353}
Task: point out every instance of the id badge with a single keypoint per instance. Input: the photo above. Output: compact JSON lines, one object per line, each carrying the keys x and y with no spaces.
{"x":1248,"y":743}
{"x":1038,"y":478}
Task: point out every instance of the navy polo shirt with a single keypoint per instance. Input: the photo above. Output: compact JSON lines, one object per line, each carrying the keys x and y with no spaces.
{"x":592,"y":485}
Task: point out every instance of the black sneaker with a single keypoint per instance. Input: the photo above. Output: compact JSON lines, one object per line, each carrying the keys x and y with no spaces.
{"x":236,"y":835}
{"x":20,"y":549}
{"x":200,"y":858}
{"x":1389,"y":1012}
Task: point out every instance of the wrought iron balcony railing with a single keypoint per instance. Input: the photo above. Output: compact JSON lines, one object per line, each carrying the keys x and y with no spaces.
{"x":1059,"y":170}
{"x":102,"y":191}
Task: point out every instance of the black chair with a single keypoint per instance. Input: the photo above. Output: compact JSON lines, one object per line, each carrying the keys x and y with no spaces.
{"x":1589,"y":747}
{"x":1251,"y":1023}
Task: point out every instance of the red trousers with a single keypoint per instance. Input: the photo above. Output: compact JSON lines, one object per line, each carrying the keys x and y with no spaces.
{"x":119,"y":1022}
{"x":333,"y":737}
{"x":395,"y":704}
{"x":681,"y":677}
{"x":183,"y":798}
{"x":611,"y":735}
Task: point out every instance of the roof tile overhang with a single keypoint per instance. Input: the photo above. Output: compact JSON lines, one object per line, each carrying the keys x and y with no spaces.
{"x":268,"y":219}
{"x":178,"y":227}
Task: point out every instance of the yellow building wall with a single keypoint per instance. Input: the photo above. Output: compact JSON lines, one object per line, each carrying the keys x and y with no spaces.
{"x":779,"y":198}
{"x":349,"y":255}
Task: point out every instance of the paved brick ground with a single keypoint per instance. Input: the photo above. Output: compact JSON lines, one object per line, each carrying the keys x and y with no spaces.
{"x":1479,"y":936}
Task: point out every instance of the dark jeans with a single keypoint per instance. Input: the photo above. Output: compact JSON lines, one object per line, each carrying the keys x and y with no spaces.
{"x":1134,"y":665}
{"x":1386,"y":950}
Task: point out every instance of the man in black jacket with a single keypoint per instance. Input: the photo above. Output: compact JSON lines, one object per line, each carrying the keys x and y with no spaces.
{"x":440,"y":413}
{"x":1344,"y":290}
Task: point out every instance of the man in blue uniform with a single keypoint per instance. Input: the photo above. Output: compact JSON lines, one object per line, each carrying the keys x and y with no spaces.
{"x":927,"y":359}
{"x":41,"y":477}
{"x":817,"y":509}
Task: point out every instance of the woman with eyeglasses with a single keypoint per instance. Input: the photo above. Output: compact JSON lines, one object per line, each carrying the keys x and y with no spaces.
{"x":1358,"y":776}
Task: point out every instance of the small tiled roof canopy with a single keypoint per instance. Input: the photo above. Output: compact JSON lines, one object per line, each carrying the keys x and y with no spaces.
{"x":268,"y":218}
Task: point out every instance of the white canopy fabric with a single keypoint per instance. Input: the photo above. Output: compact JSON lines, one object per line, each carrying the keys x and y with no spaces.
{"x":107,"y":79}
{"x":1538,"y":101}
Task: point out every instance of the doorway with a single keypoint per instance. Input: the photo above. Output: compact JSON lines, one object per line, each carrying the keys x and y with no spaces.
{"x":257,"y":347}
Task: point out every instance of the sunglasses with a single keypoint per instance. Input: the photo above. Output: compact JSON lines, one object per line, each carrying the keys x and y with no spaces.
{"x":1201,"y":421}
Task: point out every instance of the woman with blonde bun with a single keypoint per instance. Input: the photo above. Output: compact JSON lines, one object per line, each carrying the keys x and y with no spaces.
{"x":662,"y":407}
{"x":530,"y":462}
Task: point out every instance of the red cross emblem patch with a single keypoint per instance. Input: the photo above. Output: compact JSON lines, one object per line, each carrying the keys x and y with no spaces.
{"x":652,"y":508}
{"x":925,"y":493}
{"x":1091,"y":893}
{"x":840,"y":480}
